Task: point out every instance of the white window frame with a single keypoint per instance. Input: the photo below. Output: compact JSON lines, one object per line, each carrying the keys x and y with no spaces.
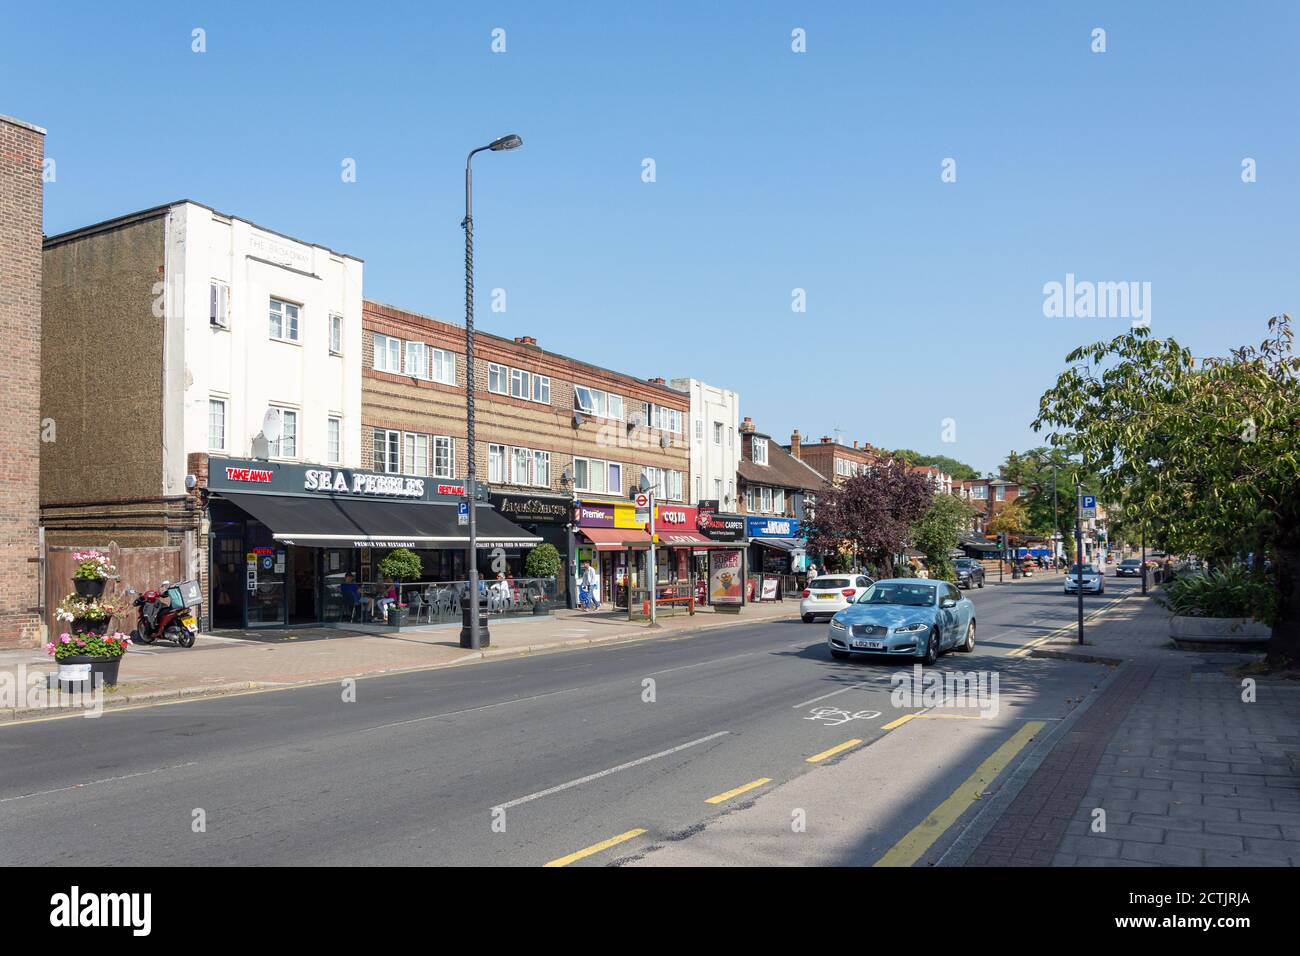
{"x":496,"y":475}
{"x":391,"y":442}
{"x":420,"y":466}
{"x":766,"y":500}
{"x":417,"y":360}
{"x":541,"y":468}
{"x":542,"y":389}
{"x":336,"y":334}
{"x":276,"y":449}
{"x":517,"y":454}
{"x":612,"y":468}
{"x":778,"y":501}
{"x":760,"y":451}
{"x":384,"y":345}
{"x":749,"y":499}
{"x":286,"y":323}
{"x":219,"y":305}
{"x":225,"y":416}
{"x":717,"y":434}
{"x":442,"y":365}
{"x":501,"y":375}
{"x":1001,"y":493}
{"x":521,"y":384}
{"x":444,"y":446}
{"x":333,"y":440}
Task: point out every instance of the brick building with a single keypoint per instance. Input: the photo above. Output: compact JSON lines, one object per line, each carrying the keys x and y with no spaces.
{"x":834,"y":460}
{"x":776,"y":491}
{"x":550,"y":430}
{"x":22,"y":157}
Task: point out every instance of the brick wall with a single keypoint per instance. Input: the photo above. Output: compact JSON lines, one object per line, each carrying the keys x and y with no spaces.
{"x":403,"y":403}
{"x":22,"y":153}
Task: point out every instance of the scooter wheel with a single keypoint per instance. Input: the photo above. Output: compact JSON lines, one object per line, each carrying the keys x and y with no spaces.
{"x":138,"y":637}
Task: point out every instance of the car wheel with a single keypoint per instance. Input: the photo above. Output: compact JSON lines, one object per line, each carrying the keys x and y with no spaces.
{"x":981,"y":584}
{"x":970,"y":639}
{"x":840,"y":655}
{"x":932,"y":649}
{"x":807,"y":618}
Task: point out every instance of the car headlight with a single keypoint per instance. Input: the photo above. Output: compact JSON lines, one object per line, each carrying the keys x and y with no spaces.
{"x":911,"y":628}
{"x":837,"y":625}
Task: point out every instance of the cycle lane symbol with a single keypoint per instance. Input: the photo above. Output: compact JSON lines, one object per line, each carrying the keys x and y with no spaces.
{"x":834,"y":716}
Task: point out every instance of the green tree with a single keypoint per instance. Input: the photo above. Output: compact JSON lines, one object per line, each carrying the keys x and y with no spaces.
{"x":401,"y":564}
{"x":938,"y":531}
{"x":1203,"y":454}
{"x":542,"y":562}
{"x":950,"y":466}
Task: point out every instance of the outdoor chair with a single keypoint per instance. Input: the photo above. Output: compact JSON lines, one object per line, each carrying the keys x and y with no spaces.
{"x":418,"y":607}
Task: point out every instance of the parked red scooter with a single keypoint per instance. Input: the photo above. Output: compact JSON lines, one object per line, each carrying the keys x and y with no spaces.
{"x":163,"y":614}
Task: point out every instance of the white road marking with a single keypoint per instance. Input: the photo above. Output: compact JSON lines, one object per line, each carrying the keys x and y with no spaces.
{"x":605,"y":773}
{"x":471,"y":710}
{"x":91,"y":783}
{"x":842,"y":690}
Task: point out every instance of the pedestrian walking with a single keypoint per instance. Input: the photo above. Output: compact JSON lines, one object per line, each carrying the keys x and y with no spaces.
{"x":589,"y":588}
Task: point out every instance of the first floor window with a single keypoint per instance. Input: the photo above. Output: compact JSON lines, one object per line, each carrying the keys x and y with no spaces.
{"x":216,"y":424}
{"x":520,"y":384}
{"x":615,"y":484}
{"x":417,"y":454}
{"x":778,"y":500}
{"x":592,"y":474}
{"x":767,"y":500}
{"x":388,"y":450}
{"x":287,"y":444}
{"x":497,"y":378}
{"x":497,"y":464}
{"x":444,"y":457}
{"x":219,"y":304}
{"x":717,"y":489}
{"x":542,"y":389}
{"x":749,"y":499}
{"x":519,"y":459}
{"x":333,"y":440}
{"x":542,"y":468}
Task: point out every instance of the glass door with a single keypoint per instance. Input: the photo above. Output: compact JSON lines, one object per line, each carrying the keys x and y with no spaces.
{"x":226,"y":572}
{"x":265,"y":578}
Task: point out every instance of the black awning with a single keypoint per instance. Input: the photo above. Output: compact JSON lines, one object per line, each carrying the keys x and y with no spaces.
{"x":330,"y":522}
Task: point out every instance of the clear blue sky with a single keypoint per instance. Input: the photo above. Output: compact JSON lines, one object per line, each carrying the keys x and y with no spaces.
{"x":775,"y":170}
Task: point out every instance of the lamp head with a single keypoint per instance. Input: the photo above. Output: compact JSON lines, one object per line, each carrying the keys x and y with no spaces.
{"x":510,"y":141}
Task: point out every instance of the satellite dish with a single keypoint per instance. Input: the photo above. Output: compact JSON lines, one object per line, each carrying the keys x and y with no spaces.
{"x":664,"y":441}
{"x":261,"y":447}
{"x":271,"y":425}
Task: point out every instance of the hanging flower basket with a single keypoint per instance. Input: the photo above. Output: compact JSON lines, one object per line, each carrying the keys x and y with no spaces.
{"x":89,"y":587}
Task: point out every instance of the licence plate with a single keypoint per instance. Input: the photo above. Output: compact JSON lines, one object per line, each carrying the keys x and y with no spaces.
{"x":189,"y":622}
{"x":827,"y":597}
{"x":869,"y":645}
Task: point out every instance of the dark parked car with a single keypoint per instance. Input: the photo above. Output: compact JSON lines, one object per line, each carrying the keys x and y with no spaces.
{"x":970,"y":573}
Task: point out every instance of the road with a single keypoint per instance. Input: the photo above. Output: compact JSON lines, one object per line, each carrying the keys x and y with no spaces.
{"x":662,"y":751}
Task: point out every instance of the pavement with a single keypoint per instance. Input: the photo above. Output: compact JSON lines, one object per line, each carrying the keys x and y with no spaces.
{"x":1186,"y":759}
{"x":266,"y":659}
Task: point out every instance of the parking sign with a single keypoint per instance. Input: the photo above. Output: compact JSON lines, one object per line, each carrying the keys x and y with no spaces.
{"x":1088,"y":506}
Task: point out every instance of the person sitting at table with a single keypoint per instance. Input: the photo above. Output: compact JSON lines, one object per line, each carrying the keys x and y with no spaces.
{"x":388,"y":600}
{"x":352,"y":596}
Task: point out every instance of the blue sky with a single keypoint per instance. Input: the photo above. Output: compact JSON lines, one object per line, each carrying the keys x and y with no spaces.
{"x":774,"y":171}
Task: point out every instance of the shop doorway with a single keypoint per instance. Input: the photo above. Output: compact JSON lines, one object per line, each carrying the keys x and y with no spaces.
{"x":227,"y":574}
{"x":302,"y":585}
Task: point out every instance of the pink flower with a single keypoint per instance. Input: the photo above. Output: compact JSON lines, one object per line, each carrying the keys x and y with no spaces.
{"x":80,"y":642}
{"x":64,"y":638}
{"x":49,"y":648}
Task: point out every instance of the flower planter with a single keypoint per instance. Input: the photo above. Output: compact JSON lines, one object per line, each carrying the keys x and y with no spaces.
{"x":78,"y":669}
{"x":1237,"y":632}
{"x":89,"y":587}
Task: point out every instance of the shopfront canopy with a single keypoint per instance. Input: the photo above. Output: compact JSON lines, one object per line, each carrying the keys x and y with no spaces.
{"x":616,"y":539}
{"x":781,"y":544}
{"x":334,"y":522}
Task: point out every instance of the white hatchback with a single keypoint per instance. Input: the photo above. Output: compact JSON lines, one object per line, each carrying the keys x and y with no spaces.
{"x":829,"y":594}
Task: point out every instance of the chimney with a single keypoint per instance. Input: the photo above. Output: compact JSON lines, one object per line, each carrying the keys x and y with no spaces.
{"x":655,"y":381}
{"x":826,"y":440}
{"x":526,"y":340}
{"x":747,"y":426}
{"x":855,"y":443}
{"x":795,"y":443}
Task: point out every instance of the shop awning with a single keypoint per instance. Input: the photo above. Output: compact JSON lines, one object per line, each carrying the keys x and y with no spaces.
{"x":329,"y":522}
{"x":615,"y":539}
{"x":686,"y":539}
{"x":781,"y":544}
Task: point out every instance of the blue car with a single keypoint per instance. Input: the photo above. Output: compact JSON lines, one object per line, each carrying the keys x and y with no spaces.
{"x":905,"y":617}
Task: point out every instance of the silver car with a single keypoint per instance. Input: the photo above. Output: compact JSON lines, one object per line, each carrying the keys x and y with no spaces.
{"x":1087,"y":575}
{"x":905,"y":617}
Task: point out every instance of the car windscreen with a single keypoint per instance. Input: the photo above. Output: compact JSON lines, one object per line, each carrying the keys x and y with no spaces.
{"x":908,"y":595}
{"x":1082,"y":569}
{"x":829,"y":584}
{"x":1130,"y":563}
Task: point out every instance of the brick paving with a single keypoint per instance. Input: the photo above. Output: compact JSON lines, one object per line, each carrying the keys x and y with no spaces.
{"x":1188,"y":770}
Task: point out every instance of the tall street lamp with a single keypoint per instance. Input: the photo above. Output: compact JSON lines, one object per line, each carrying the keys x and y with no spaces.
{"x":497,"y":145}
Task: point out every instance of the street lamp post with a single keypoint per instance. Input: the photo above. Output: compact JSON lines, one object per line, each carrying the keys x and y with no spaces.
{"x":1078,"y":547}
{"x":505,"y":142}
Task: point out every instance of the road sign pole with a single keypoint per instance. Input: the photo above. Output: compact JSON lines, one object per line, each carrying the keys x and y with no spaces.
{"x":653,"y":576}
{"x":1078,"y":549}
